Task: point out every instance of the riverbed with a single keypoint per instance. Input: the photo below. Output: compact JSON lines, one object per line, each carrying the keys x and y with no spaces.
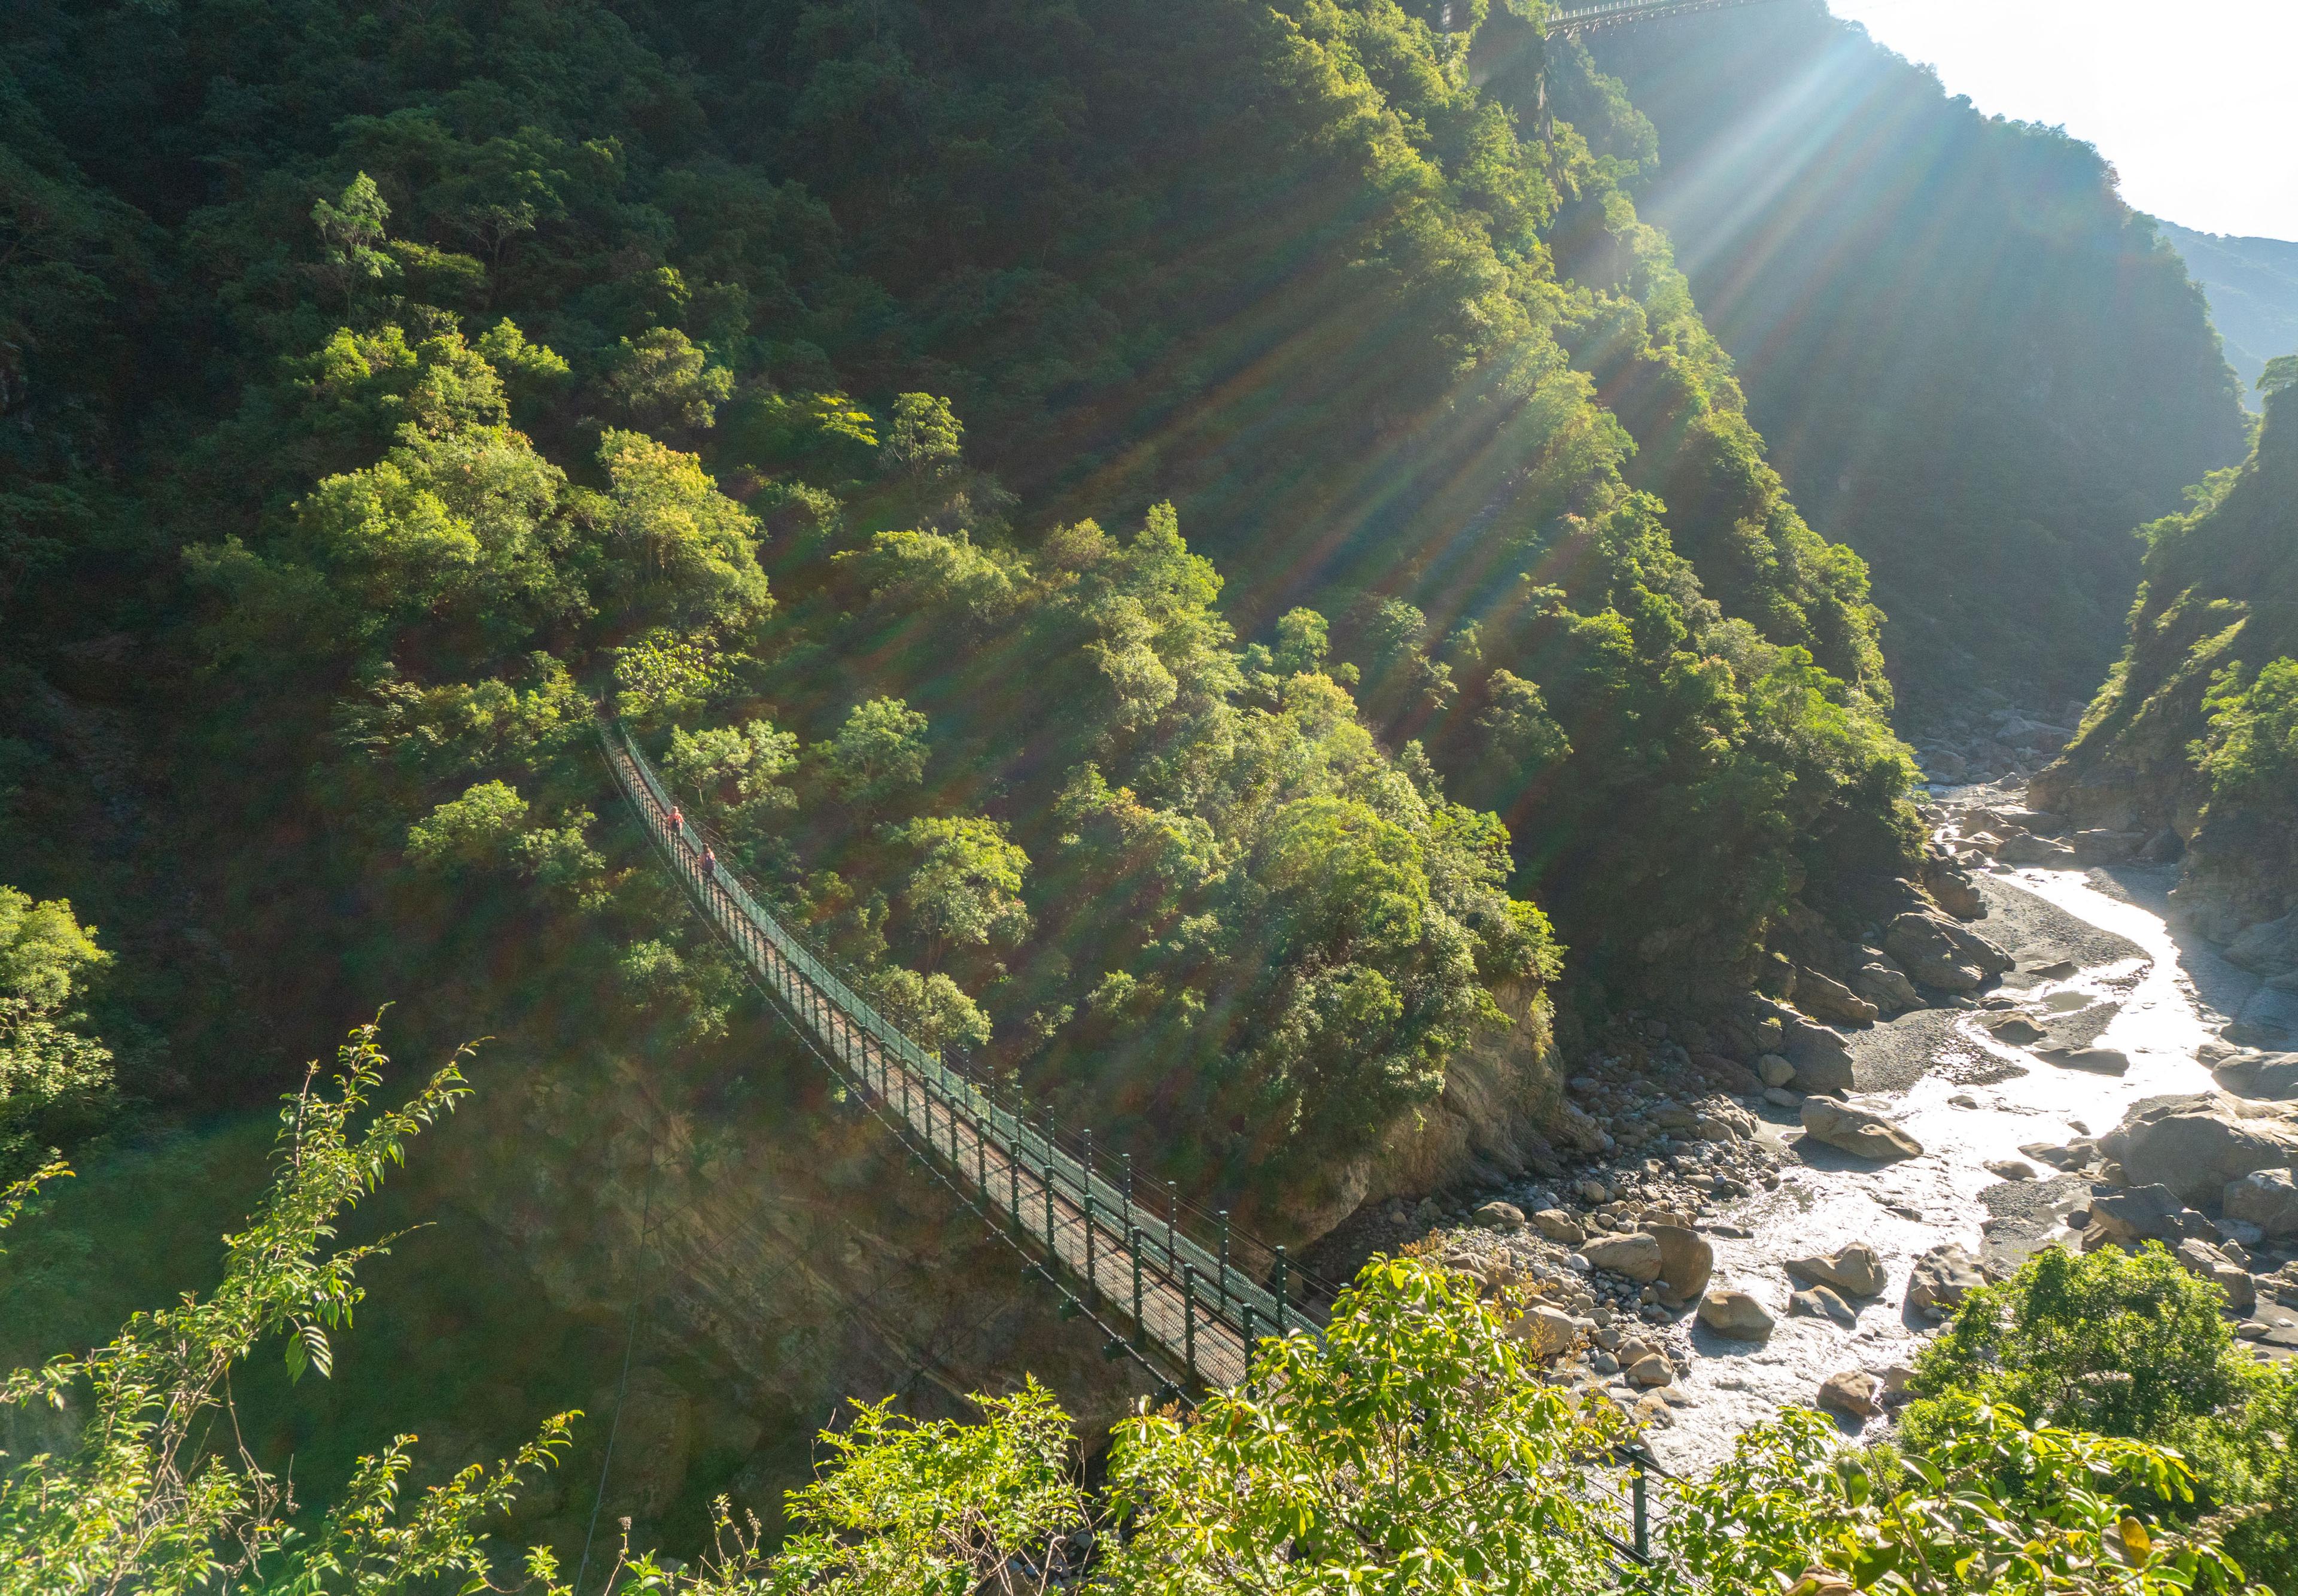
{"x":2096,"y":951}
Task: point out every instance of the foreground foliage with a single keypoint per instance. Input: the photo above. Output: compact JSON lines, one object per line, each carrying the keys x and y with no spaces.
{"x":1412,"y":1448}
{"x":151,"y":1499}
{"x":2133,"y":1346}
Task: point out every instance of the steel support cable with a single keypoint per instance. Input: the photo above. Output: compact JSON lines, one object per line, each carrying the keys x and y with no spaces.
{"x":623,"y":1383}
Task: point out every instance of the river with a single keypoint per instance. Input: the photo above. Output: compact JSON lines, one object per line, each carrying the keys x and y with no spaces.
{"x":2095,"y":952}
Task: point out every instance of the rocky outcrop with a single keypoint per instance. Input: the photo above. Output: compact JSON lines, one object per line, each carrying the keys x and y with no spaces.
{"x":1936,"y":951}
{"x":1858,"y":1130}
{"x":2266,"y":1198}
{"x":2223,"y":589}
{"x":1938,"y":1280}
{"x":1501,"y":1095}
{"x":2200,"y":1259}
{"x":1826,"y":998}
{"x":2146,"y":1214}
{"x":1855,"y":1270}
{"x":2194,"y":1146}
{"x":1735,"y":1314}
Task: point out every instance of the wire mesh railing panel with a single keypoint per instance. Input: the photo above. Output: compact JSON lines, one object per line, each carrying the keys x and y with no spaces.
{"x":1196,"y":1302}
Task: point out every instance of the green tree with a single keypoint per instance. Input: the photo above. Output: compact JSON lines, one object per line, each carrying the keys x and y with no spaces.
{"x":351,"y":230}
{"x":925,"y":437}
{"x":148,"y":1498}
{"x":880,"y":750}
{"x":661,"y":382}
{"x":966,"y":890}
{"x":2120,"y":1344}
{"x":57,"y":1082}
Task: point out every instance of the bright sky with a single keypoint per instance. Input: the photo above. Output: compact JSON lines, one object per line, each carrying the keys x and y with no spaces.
{"x":2195,"y":101}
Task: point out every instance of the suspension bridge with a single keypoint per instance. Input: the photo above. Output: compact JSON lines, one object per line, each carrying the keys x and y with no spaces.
{"x":1179,"y":1293}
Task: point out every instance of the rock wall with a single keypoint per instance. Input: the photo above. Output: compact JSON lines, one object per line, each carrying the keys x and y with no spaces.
{"x":2219,"y":603}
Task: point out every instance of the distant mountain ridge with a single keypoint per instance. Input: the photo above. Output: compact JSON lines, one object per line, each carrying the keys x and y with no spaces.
{"x":2252,"y":288}
{"x":1971,"y":362}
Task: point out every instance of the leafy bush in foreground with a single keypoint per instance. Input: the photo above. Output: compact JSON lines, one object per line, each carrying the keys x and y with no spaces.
{"x":1413,"y":1448}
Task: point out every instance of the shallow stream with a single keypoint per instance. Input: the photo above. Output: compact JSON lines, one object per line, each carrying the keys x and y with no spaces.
{"x":2093,"y":950}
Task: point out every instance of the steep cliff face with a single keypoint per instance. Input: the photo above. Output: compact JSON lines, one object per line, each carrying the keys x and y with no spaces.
{"x":2196,"y":730}
{"x":1971,"y":362}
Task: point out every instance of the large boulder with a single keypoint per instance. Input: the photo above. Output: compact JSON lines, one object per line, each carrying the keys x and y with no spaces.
{"x":1886,"y":985}
{"x":2148,"y":1213}
{"x":1953,"y":886}
{"x":1548,"y":1332}
{"x":1856,"y":1129}
{"x":2266,"y":1198}
{"x":2035,"y":851}
{"x":1559,"y":1226}
{"x":1938,"y":1280}
{"x":2195,"y":1146}
{"x":1634,"y":1254}
{"x":1500,"y":1216}
{"x":1854,"y":1394}
{"x":1686,"y":1259}
{"x":1855,"y":1270}
{"x":1939,"y":952}
{"x":2269,"y":1076}
{"x":1735,"y":1314}
{"x":1825,"y":997}
{"x":2266,"y":947}
{"x":1819,"y":1054}
{"x":2200,"y":1259}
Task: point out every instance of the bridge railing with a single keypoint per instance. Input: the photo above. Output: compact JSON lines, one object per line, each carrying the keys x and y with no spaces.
{"x":1202,"y":1292}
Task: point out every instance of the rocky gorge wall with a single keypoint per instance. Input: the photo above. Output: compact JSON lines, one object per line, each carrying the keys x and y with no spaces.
{"x":2188,"y":748}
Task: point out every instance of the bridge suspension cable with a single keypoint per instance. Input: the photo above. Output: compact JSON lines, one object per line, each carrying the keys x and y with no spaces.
{"x":1591,"y":15}
{"x":1176,"y":1294}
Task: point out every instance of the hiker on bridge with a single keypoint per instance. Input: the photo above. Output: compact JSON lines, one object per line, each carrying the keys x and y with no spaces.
{"x":709,"y":864}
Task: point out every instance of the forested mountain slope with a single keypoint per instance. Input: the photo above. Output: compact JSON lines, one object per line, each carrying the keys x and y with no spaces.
{"x":2196,"y":729}
{"x":2252,"y":288}
{"x":1916,"y":296}
{"x":1185,"y":544}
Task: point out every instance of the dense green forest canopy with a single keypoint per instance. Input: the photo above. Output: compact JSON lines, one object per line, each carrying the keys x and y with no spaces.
{"x":1974,"y":364}
{"x":385,"y":391}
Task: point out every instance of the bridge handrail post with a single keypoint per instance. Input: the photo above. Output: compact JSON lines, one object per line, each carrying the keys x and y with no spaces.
{"x":1276,"y":1287}
{"x":1092,"y":1278}
{"x":1140,"y":1324}
{"x":1172,"y":1215}
{"x":1189,"y":1316}
{"x":1224,"y":1260}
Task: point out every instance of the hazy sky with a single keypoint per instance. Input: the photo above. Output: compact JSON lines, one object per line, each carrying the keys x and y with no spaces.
{"x":2195,"y":101}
